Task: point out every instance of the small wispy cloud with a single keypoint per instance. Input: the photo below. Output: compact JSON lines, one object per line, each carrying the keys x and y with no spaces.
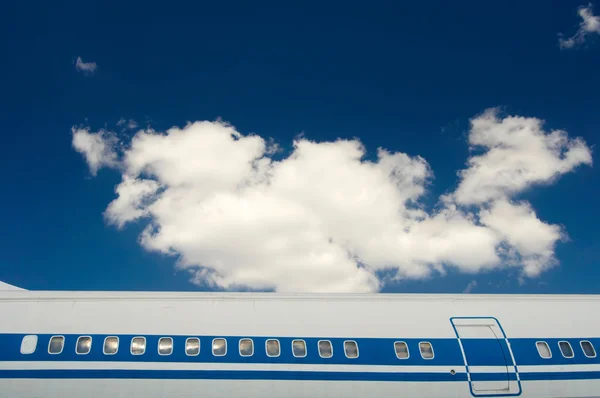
{"x":590,"y":24}
{"x":470,"y":286}
{"x":127,"y":124}
{"x":98,"y":148}
{"x":85,"y":67}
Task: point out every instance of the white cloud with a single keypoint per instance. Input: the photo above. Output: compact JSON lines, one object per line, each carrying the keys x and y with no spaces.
{"x":97,"y":148}
{"x":325,"y":219}
{"x":518,"y":154}
{"x":531,"y":241}
{"x":590,"y":24}
{"x":127,"y":124}
{"x":470,"y":286}
{"x":85,"y":67}
{"x":130,"y":202}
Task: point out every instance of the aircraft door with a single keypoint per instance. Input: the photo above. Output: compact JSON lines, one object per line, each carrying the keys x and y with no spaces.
{"x":488,"y":358}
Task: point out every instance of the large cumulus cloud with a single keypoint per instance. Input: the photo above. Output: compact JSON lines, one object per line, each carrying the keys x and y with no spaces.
{"x":323,"y":218}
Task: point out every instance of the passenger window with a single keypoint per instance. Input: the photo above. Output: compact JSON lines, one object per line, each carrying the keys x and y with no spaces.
{"x":56,"y":344}
{"x":426,"y":350}
{"x":192,"y":346}
{"x":273,"y":349}
{"x":111,"y":345}
{"x":543,"y":349}
{"x":588,"y":349}
{"x":401,"y":350}
{"x":325,"y":349}
{"x":29,"y":344}
{"x":565,"y":349}
{"x":246,"y":347}
{"x":165,"y":346}
{"x":84,"y":345}
{"x":138,"y":345}
{"x":219,"y":347}
{"x":351,"y":349}
{"x":299,"y":348}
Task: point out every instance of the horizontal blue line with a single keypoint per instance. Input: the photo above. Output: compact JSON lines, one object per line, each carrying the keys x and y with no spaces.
{"x":559,"y":376}
{"x":284,"y":375}
{"x":226,"y":375}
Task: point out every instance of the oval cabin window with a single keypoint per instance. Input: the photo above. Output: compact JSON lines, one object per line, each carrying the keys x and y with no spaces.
{"x":29,"y":344}
{"x":588,"y":349}
{"x":426,"y":350}
{"x":165,"y":346}
{"x":325,"y":349}
{"x":192,"y":346}
{"x":56,"y":344}
{"x":138,"y":345}
{"x":273,"y":349}
{"x":543,"y":349}
{"x":84,"y":345}
{"x":401,"y":350}
{"x":299,"y":348}
{"x":246,"y":347}
{"x":566,"y":349}
{"x":111,"y":345}
{"x":351,"y":349}
{"x":219,"y":347}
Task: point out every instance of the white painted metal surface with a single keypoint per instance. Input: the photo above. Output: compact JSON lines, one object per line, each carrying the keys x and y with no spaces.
{"x":335,"y":316}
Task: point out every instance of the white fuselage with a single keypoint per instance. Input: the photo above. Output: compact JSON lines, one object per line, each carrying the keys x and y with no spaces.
{"x":272,"y":345}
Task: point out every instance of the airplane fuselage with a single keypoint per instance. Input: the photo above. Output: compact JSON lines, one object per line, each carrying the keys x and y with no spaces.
{"x":110,"y":344}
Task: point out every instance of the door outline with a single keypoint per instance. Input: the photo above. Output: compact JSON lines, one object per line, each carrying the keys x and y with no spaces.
{"x":512,"y":357}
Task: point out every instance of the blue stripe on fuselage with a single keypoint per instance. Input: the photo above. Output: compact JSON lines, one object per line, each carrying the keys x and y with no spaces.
{"x":284,"y":375}
{"x":229,"y":375}
{"x":372,"y":351}
{"x":525,"y":352}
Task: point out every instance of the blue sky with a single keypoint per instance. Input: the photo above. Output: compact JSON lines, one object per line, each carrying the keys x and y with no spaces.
{"x":397,"y":76}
